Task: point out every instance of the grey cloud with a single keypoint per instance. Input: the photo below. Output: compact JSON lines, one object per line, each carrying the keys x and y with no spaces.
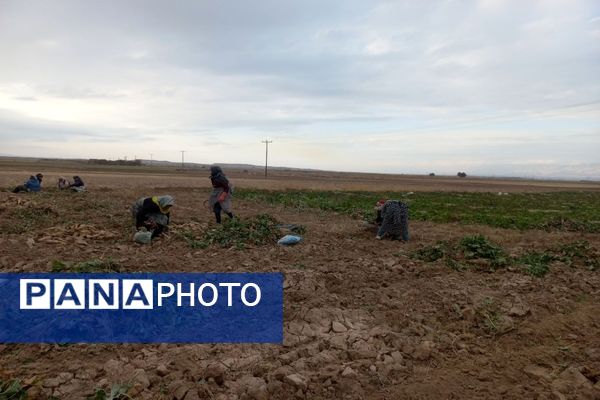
{"x":203,"y":70}
{"x":19,"y":127}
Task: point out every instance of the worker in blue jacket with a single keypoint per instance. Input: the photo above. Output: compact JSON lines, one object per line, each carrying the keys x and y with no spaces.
{"x":33,"y":184}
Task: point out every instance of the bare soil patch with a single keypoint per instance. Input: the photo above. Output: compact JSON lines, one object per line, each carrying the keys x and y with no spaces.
{"x":363,"y":320}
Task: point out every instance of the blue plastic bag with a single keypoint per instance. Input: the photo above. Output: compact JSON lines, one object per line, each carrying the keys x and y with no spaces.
{"x":289,"y":240}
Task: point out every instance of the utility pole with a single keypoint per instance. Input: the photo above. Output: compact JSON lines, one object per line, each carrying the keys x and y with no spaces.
{"x":151,"y":159}
{"x":266,"y":142}
{"x":182,"y":152}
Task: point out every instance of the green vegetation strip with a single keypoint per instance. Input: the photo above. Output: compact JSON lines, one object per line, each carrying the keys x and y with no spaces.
{"x":90,"y":266}
{"x":479,"y":253}
{"x":238,"y":233}
{"x":566,"y":211}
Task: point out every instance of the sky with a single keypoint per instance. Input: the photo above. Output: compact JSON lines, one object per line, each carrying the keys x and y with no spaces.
{"x":489,"y":87}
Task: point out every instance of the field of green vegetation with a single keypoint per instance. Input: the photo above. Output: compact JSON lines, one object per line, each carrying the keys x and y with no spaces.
{"x":566,"y":211}
{"x":480,"y":253}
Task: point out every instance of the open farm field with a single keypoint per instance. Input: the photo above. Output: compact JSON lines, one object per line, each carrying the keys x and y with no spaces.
{"x":494,"y":296}
{"x":145,"y":177}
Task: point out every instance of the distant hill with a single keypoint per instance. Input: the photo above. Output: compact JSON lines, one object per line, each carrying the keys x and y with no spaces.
{"x":224,"y":165}
{"x":156,"y":163}
{"x":166,"y":166}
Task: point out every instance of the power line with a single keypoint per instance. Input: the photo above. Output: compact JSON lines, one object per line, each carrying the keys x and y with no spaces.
{"x":266,"y":142}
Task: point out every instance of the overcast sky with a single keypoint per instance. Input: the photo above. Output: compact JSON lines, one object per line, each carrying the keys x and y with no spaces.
{"x":490,"y":87}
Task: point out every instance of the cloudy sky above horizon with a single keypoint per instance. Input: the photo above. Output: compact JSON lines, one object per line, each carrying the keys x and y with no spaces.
{"x":490,"y":87}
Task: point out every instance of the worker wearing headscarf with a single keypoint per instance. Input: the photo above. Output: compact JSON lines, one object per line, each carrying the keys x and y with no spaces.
{"x":77,"y":185}
{"x":33,"y":184}
{"x":153,"y":213}
{"x":63,"y":183}
{"x":220,"y":198}
{"x":392,"y":215}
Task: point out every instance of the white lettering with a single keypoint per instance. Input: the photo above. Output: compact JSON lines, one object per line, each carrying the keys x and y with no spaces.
{"x":201,"y":297}
{"x":229,"y":285}
{"x":256,"y":288}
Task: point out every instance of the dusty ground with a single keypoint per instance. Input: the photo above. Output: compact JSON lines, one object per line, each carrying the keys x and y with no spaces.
{"x":362,"y":319}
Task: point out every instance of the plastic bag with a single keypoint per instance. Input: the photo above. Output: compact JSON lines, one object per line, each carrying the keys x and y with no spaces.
{"x":289,"y":240}
{"x":143,"y":237}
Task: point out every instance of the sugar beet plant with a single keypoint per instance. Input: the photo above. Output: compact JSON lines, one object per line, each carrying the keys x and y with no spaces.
{"x":475,"y":251}
{"x":238,"y":233}
{"x":570,"y":254}
{"x":479,"y":253}
{"x":12,"y":390}
{"x":480,"y":247}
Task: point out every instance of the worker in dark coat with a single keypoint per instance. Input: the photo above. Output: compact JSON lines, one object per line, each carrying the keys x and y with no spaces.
{"x":153,"y":213}
{"x":77,"y":185}
{"x":220,"y":198}
{"x":392,"y":218}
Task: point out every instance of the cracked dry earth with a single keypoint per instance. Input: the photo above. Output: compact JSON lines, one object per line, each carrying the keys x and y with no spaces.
{"x":362,"y":319}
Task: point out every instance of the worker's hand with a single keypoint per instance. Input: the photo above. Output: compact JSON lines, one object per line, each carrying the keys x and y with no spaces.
{"x":150,"y":224}
{"x":222,"y":197}
{"x":378,"y":237}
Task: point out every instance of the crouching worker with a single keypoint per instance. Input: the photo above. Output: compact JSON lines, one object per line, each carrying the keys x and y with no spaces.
{"x":392,"y":218}
{"x":33,"y":184}
{"x":220,"y":198}
{"x":153,"y":213}
{"x":63,"y":183}
{"x":77,"y":185}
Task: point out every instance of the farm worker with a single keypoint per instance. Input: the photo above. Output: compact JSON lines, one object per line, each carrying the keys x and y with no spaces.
{"x":220,"y":198}
{"x":77,"y":185}
{"x":63,"y":183}
{"x":392,"y":216}
{"x":153,"y":213}
{"x":33,"y":184}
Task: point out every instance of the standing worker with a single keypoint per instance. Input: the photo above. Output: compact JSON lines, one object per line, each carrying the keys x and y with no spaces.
{"x":220,"y":198}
